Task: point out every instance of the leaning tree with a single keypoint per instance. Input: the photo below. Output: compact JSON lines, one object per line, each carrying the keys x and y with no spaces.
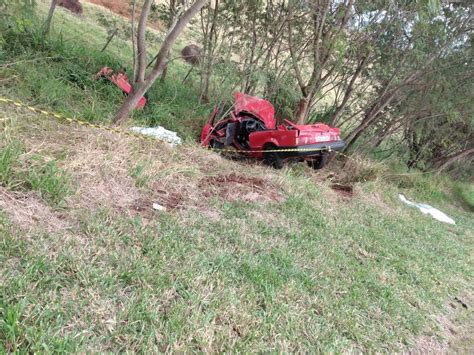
{"x":142,"y":81}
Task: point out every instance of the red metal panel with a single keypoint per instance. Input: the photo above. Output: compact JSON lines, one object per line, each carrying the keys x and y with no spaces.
{"x":258,"y":107}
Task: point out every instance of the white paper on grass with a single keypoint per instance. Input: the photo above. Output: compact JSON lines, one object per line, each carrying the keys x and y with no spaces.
{"x":158,"y":207}
{"x":427,"y":209}
{"x":159,"y":133}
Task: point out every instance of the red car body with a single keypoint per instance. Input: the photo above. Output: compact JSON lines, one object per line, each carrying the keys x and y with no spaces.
{"x":120,"y":80}
{"x":251,"y":129}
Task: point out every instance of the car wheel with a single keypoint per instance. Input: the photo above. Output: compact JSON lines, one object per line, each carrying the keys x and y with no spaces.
{"x":319,"y":162}
{"x":215,"y":144}
{"x":272,"y":159}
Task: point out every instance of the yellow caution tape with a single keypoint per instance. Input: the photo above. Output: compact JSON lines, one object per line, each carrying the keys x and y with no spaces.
{"x":328,"y":149}
{"x":141,"y":136}
{"x":75,"y":120}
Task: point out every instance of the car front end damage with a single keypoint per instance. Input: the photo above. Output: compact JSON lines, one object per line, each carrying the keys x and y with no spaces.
{"x":251,"y":130}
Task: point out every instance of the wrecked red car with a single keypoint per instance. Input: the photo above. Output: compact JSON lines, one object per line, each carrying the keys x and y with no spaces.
{"x":121,"y":80}
{"x":250,"y":127}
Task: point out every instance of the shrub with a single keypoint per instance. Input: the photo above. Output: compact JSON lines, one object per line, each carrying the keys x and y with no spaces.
{"x":358,"y":169}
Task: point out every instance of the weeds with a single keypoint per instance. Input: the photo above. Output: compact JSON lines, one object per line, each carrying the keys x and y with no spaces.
{"x":140,"y":176}
{"x":464,"y":193}
{"x":36,"y":174}
{"x":9,"y":157}
{"x":356,"y":169}
{"x":52,"y":182}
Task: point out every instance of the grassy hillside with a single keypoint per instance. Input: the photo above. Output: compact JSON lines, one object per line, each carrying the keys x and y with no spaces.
{"x":245,"y":258}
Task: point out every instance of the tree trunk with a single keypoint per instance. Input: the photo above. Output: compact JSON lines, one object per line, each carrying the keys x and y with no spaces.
{"x":210,"y":41}
{"x":141,"y":43}
{"x":165,"y":70}
{"x":141,"y":88}
{"x":374,"y":112}
{"x":454,"y":158}
{"x":47,"y":24}
{"x":134,"y":49}
{"x":348,"y":92}
{"x":172,"y":9}
{"x":204,"y":96}
{"x":131,"y":101}
{"x":302,"y":110}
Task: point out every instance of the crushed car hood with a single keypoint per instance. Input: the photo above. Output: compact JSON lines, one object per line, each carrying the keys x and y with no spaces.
{"x":260,"y":108}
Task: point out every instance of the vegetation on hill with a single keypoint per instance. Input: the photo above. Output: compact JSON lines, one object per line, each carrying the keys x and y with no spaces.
{"x":244,"y":259}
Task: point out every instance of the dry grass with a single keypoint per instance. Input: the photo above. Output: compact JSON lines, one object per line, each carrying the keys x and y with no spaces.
{"x":30,"y":212}
{"x":101,"y":165}
{"x":457,"y":334}
{"x":246,"y":258}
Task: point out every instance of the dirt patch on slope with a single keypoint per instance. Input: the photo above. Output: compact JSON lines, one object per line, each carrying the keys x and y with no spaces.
{"x":456,"y":329}
{"x":28,"y":211}
{"x":72,"y":5}
{"x":103,"y":171}
{"x":345,"y":191}
{"x":120,"y":7}
{"x":177,"y":195}
{"x":98,"y":163}
{"x":235,"y":187}
{"x":123,"y":8}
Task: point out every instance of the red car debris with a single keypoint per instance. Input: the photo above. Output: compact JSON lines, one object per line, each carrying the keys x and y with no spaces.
{"x":121,"y":80}
{"x":251,"y":129}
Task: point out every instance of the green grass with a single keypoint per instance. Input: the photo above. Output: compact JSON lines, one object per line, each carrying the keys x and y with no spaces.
{"x":33,"y":173}
{"x":71,"y":56}
{"x":51,"y":181}
{"x":464,"y":192}
{"x":140,"y":176}
{"x":308,"y":272}
{"x":9,"y":156}
{"x":358,"y":279}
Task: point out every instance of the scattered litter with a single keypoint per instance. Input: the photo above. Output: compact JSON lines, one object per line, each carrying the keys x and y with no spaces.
{"x":427,"y":209}
{"x":158,"y":207}
{"x":159,"y":132}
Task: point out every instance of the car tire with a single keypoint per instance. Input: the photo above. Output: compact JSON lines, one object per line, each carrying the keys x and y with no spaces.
{"x":213,"y":144}
{"x":319,"y":162}
{"x":272,"y":159}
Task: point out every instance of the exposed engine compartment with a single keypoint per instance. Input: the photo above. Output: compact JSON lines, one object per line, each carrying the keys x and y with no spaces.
{"x":248,"y":125}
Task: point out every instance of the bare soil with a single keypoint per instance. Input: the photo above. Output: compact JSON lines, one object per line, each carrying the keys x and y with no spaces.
{"x":456,"y":327}
{"x":28,"y":211}
{"x":123,"y":8}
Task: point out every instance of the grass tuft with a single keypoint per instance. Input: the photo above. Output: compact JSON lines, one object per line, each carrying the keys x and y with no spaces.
{"x":52,"y":182}
{"x":33,"y":174}
{"x":9,"y":157}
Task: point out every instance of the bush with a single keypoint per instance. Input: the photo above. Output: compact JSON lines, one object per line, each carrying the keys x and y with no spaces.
{"x":358,"y":169}
{"x":464,"y":193}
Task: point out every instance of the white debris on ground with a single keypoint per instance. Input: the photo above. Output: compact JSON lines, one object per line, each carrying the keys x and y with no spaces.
{"x":427,"y":209}
{"x":159,"y":133}
{"x":158,"y":207}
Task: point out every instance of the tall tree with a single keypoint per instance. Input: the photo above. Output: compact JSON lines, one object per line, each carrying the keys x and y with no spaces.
{"x":314,"y":30}
{"x":410,"y":48}
{"x":144,"y":81}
